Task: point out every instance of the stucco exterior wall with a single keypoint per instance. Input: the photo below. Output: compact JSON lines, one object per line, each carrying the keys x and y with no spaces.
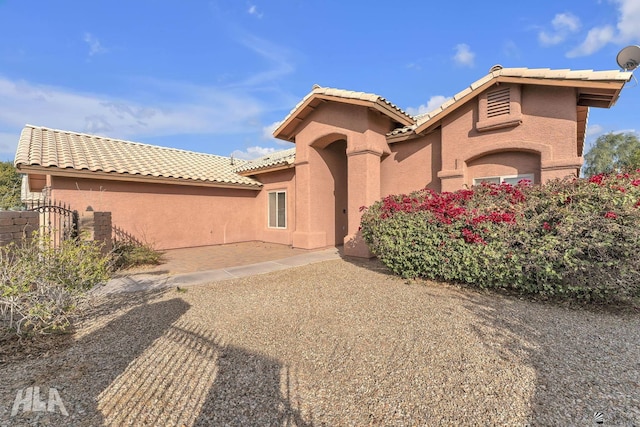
{"x":548,"y":129}
{"x":338,"y":152}
{"x":166,"y":216}
{"x":284,"y":180}
{"x":412,"y":165}
{"x":503,"y":164}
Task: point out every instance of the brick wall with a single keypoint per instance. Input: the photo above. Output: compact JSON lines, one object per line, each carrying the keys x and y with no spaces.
{"x":97,"y":226}
{"x":14,"y":226}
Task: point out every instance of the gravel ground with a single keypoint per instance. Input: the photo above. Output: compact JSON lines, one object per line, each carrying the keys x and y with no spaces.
{"x":334,"y":343}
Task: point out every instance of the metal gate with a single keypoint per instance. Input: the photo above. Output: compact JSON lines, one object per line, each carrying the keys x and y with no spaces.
{"x":58,"y":222}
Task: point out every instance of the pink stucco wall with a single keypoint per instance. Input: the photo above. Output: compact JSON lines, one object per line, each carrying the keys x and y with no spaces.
{"x":412,"y":165}
{"x":167,"y":216}
{"x":503,"y":164}
{"x":284,"y":180}
{"x":338,"y":151}
{"x":343,"y":162}
{"x":548,"y":130}
{"x":537,"y":137}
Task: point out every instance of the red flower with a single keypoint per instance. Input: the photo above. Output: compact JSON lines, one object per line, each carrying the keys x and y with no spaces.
{"x":611,"y":215}
{"x":546,"y":226}
{"x":471,"y":237}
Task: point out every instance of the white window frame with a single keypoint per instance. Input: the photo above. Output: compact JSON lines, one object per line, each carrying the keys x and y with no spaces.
{"x":276,"y":226}
{"x":529,"y":176}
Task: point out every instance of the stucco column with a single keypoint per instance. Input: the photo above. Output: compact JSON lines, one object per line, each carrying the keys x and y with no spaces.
{"x":364,"y":189}
{"x":303,"y":236}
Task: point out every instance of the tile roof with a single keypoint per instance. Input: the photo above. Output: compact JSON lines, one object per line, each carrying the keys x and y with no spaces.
{"x":497,"y":73}
{"x":349,"y":96}
{"x":271,"y":160}
{"x":51,"y":148}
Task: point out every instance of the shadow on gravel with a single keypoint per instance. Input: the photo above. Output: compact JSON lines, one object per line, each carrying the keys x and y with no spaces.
{"x":585,"y":361}
{"x":371,"y":264}
{"x":85,"y":366}
{"x":249,"y":390}
{"x":148,"y":366}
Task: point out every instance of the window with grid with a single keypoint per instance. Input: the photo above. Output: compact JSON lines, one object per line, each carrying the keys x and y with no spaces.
{"x":511,"y":179}
{"x":277,"y":209}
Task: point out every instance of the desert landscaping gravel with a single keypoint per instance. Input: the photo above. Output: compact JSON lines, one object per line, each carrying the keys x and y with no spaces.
{"x":331,"y":344}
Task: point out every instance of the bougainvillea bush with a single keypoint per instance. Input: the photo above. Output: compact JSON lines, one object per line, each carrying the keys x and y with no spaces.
{"x":575,"y":238}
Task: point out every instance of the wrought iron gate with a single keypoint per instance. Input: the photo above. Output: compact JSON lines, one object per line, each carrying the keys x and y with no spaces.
{"x":58,"y":222}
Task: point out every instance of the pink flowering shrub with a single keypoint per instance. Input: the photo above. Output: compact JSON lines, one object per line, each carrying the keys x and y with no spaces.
{"x":577,"y":238}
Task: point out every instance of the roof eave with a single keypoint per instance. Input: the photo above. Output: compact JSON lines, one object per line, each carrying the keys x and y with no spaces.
{"x":267,"y":169}
{"x":113,"y":176}
{"x":434,"y":121}
{"x":608,"y":91}
{"x":287,"y":128}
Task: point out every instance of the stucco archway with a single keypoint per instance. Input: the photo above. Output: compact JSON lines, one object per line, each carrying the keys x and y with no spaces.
{"x":505,"y":163}
{"x":331,"y":190}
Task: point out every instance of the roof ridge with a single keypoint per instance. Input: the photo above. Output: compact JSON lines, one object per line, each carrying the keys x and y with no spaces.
{"x":519,"y":72}
{"x":322,"y":90}
{"x":271,"y":154}
{"x":144,"y":144}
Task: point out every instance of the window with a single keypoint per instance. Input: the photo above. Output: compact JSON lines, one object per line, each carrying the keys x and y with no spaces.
{"x":511,"y":179}
{"x":277,"y":209}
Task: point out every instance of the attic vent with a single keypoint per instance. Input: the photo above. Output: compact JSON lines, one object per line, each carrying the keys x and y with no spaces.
{"x":498,"y":103}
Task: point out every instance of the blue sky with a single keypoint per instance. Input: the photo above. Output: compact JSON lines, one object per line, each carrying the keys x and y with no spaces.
{"x":216,"y":76}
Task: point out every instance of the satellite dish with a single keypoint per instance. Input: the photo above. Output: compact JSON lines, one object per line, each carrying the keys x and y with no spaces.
{"x":629,"y":58}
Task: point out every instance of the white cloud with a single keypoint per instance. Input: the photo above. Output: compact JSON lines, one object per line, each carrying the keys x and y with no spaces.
{"x":596,"y":38}
{"x":626,"y":30}
{"x":267,"y":131}
{"x":594,"y":130}
{"x":267,"y":134}
{"x":94,"y":44}
{"x":510,"y":49}
{"x":253,"y":10}
{"x":464,"y":56}
{"x":193,"y":110}
{"x":629,"y":20}
{"x":277,"y":56}
{"x":252,"y":152}
{"x":563,"y":24}
{"x":433,"y":103}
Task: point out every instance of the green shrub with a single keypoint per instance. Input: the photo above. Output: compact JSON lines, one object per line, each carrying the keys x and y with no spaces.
{"x":128,"y":254}
{"x":570,"y":238}
{"x":40,"y":285}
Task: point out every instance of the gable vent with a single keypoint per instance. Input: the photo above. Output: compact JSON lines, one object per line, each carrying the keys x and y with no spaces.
{"x":498,"y":103}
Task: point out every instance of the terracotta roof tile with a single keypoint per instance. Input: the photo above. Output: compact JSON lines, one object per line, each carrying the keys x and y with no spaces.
{"x":337,"y":94}
{"x":52,"y":148}
{"x":536,"y":73}
{"x":271,"y":160}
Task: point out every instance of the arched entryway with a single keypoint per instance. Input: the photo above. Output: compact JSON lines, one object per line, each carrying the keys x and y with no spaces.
{"x":332,"y":190}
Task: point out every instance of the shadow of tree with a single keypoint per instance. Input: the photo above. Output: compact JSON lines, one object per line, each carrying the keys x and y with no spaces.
{"x":249,"y":390}
{"x":581,"y":358}
{"x":141,"y":363}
